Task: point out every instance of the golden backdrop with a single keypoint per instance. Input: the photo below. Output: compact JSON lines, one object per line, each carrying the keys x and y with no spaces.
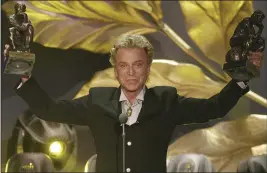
{"x":95,"y":25}
{"x":226,"y":143}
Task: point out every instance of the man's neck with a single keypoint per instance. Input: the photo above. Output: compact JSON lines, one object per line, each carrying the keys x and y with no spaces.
{"x":131,"y":96}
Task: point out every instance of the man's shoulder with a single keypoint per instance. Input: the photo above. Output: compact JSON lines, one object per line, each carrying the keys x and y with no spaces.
{"x":102,"y":91}
{"x":161,"y":90}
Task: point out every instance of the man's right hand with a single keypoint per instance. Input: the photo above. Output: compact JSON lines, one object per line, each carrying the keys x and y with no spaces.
{"x":6,"y":54}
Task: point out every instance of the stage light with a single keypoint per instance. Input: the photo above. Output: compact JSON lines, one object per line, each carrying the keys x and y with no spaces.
{"x":57,"y":148}
{"x":57,"y":140}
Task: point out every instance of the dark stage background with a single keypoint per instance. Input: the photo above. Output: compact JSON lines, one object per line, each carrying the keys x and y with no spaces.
{"x":62,"y":73}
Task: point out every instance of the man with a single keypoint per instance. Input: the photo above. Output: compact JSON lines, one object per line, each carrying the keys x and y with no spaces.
{"x":153,"y":113}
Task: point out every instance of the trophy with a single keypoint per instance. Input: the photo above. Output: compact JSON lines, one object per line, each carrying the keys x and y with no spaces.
{"x":246,"y":38}
{"x":20,"y":60}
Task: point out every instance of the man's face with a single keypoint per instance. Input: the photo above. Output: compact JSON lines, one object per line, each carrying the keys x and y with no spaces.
{"x":131,"y":68}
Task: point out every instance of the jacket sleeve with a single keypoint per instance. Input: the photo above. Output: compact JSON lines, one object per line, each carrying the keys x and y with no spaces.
{"x":69,"y":112}
{"x":195,"y":110}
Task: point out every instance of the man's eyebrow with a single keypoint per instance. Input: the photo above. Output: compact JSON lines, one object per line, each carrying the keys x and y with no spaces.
{"x":138,"y":61}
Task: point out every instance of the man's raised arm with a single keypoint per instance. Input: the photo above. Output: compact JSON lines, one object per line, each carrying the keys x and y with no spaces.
{"x":195,"y":110}
{"x":69,"y":112}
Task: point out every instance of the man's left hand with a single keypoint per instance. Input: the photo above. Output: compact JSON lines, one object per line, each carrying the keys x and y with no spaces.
{"x":256,"y":58}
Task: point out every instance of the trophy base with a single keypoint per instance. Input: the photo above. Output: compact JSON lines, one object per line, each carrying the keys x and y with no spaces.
{"x":19,"y":63}
{"x":241,"y":71}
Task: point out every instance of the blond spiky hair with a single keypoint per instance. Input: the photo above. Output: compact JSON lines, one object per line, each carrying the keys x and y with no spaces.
{"x":132,"y":41}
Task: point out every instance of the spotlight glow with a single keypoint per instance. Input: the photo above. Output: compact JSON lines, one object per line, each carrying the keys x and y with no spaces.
{"x":56,"y":148}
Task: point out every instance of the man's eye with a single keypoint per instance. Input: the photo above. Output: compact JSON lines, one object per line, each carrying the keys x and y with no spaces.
{"x":123,"y":65}
{"x":139,"y":64}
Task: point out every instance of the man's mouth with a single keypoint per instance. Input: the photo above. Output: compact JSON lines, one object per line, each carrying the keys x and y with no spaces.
{"x":131,"y":80}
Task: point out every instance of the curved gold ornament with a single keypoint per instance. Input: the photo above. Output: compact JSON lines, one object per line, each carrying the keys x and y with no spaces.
{"x":226,"y":143}
{"x":95,"y":25}
{"x":89,"y":25}
{"x":153,"y":7}
{"x":210,"y":24}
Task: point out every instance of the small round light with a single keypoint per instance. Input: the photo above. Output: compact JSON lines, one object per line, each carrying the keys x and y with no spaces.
{"x":56,"y":148}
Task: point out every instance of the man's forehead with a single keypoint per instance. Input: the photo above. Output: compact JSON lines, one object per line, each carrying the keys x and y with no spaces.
{"x":134,"y":61}
{"x":130,"y":49}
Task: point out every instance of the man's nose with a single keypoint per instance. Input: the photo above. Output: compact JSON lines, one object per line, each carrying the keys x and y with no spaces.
{"x":131,"y":70}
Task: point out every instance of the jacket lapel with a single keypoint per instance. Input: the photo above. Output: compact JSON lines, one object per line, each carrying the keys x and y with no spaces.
{"x":115,"y":101}
{"x":150,"y":106}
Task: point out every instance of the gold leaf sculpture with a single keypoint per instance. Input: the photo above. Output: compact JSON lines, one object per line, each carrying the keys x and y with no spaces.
{"x":153,"y":7}
{"x":210,"y":24}
{"x":226,"y":143}
{"x":89,"y":25}
{"x":94,"y":26}
{"x":189,"y":79}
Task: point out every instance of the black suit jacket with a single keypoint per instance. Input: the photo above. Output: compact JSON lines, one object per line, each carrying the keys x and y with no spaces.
{"x":161,"y":111}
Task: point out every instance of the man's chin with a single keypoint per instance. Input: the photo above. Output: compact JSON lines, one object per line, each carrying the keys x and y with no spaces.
{"x":131,"y":88}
